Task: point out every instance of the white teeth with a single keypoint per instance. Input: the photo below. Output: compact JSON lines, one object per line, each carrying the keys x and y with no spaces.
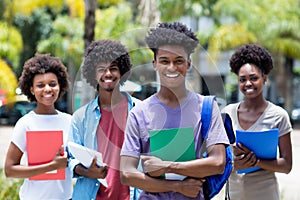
{"x":48,"y":95}
{"x":108,"y":81}
{"x":172,"y":75}
{"x":249,"y":90}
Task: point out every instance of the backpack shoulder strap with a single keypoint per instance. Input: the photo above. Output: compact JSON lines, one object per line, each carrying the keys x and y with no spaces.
{"x":206,"y":114}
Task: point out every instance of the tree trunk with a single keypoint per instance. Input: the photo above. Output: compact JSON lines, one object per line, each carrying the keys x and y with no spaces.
{"x":288,"y":66}
{"x":148,"y":13}
{"x":89,"y":21}
{"x":86,"y":91}
{"x":284,"y":78}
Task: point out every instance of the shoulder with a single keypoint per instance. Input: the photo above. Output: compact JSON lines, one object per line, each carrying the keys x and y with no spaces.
{"x":132,"y":100}
{"x":64,"y":116}
{"x":143,"y":105}
{"x":89,"y":107}
{"x":26,"y":119}
{"x":230,"y":108}
{"x":276,"y":110}
{"x":135,"y":100}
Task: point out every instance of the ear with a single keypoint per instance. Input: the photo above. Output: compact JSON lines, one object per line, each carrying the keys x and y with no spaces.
{"x":154,"y":65}
{"x":265,"y":77}
{"x":189,"y":63}
{"x":31,"y":90}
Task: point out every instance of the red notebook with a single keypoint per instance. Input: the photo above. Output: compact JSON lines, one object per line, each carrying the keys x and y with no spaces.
{"x":41,"y":148}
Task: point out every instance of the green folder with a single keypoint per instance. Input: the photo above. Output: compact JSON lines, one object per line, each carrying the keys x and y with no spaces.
{"x":176,"y":144}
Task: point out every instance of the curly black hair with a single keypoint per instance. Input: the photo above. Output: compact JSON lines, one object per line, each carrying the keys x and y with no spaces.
{"x":41,"y":64}
{"x":251,"y":54}
{"x":105,"y":51}
{"x":171,"y":33}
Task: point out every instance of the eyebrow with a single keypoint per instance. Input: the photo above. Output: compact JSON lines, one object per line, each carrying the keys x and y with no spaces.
{"x":165,"y":57}
{"x":249,"y":75}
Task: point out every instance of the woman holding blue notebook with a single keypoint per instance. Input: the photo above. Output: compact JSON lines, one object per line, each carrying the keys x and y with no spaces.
{"x":252,"y":63}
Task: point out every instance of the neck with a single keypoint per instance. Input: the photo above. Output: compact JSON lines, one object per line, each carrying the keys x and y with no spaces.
{"x":252,"y":104}
{"x":109,"y":99}
{"x":45,"y":110}
{"x":171,"y":97}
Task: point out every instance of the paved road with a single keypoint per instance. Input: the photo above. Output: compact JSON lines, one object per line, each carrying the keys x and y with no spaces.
{"x":289,"y":183}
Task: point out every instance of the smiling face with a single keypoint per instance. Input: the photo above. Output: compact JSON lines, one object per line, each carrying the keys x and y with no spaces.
{"x":108,"y":76}
{"x":251,"y":81}
{"x":171,"y":63}
{"x":45,"y":88}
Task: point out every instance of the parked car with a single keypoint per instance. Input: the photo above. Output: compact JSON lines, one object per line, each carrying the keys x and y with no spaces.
{"x":10,"y":113}
{"x":295,"y":115}
{"x":3,"y":99}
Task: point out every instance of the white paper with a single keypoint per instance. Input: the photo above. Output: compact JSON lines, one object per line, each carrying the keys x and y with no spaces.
{"x":52,"y":172}
{"x":85,"y":156}
{"x":172,"y":176}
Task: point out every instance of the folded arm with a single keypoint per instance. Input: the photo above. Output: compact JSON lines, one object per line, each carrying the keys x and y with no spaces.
{"x":199,"y":168}
{"x":135,"y":178}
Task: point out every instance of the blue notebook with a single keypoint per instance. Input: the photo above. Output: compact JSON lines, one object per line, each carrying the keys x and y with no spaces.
{"x":263,"y":144}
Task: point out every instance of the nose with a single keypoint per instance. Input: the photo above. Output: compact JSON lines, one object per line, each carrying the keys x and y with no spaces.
{"x":172,"y":67}
{"x":248,"y":82}
{"x":47,"y":87}
{"x":107,"y":72}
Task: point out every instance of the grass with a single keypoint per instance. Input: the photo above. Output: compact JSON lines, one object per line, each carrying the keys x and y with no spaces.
{"x":9,"y":187}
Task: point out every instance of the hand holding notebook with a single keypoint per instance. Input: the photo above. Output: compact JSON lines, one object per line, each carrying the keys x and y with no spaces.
{"x":176,"y":144}
{"x":85,"y":156}
{"x":263,"y":144}
{"x":42,"y":146}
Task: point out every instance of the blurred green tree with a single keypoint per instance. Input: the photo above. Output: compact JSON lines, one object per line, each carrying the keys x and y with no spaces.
{"x":270,"y":23}
{"x":11,"y":44}
{"x":8,"y":80}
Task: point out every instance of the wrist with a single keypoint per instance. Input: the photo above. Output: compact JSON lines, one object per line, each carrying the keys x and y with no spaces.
{"x":79,"y":170}
{"x":169,"y":166}
{"x":257,"y":162}
{"x":175,"y":186}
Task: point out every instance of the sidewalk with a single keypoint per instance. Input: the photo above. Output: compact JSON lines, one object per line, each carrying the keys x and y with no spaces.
{"x":289,"y":183}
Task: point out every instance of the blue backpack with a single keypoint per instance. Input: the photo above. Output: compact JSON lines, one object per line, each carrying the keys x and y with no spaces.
{"x":215,"y":183}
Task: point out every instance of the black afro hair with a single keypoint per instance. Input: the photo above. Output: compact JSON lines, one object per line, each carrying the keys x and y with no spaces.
{"x":251,"y":54}
{"x":171,"y":34}
{"x":105,"y":51}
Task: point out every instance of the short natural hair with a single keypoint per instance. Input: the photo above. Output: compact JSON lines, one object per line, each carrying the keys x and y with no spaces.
{"x":41,"y":64}
{"x":105,"y":51}
{"x":251,"y":54}
{"x":171,"y":34}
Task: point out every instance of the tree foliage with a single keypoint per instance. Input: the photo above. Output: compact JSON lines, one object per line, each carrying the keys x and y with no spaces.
{"x":33,"y":28}
{"x":11,"y":43}
{"x":8,"y":80}
{"x":27,"y":7}
{"x":115,"y":22}
{"x":108,"y":3}
{"x":275,"y":24}
{"x":76,"y":8}
{"x":65,"y":41}
{"x":174,"y":9}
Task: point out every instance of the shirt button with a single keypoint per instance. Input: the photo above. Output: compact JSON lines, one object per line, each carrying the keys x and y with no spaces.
{"x":97,"y":184}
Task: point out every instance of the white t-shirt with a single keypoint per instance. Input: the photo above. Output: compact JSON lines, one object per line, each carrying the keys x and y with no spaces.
{"x":43,"y":189}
